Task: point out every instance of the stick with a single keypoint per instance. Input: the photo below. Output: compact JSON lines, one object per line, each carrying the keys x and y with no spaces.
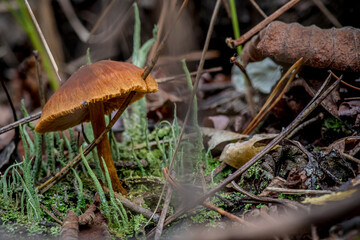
{"x":249,"y":89}
{"x":132,"y":206}
{"x":296,"y":191}
{"x":160,"y":225}
{"x":257,"y":7}
{"x":234,"y":43}
{"x":166,"y":79}
{"x":22,"y":121}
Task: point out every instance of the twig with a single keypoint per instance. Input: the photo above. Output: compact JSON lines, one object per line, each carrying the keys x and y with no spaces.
{"x":127,"y":164}
{"x":291,"y":204}
{"x":314,"y":234}
{"x":327,"y":13}
{"x":234,"y":43}
{"x":258,"y":8}
{"x":74,"y":21}
{"x":132,"y":206}
{"x":160,"y":225}
{"x":227,"y":8}
{"x":22,"y":121}
{"x":296,"y":191}
{"x":215,"y":172}
{"x":345,"y":83}
{"x":227,"y":214}
{"x":164,"y":9}
{"x":166,"y":79}
{"x":38,"y":29}
{"x":249,"y":89}
{"x":51,"y":214}
{"x":345,"y":155}
{"x":162,"y":43}
{"x":17,"y":133}
{"x":305,"y":124}
{"x":39,"y":78}
{"x":307,"y":110}
{"x":101,"y":18}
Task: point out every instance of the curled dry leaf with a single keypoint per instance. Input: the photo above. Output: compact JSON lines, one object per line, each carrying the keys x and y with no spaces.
{"x":350,"y":109}
{"x":217,"y":137}
{"x":237,"y":154}
{"x":335,"y":48}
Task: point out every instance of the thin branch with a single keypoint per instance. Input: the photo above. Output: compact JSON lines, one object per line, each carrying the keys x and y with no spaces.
{"x":101,"y":18}
{"x":132,"y":206}
{"x":296,"y":191}
{"x":166,"y":79}
{"x":51,"y":214}
{"x":38,"y":29}
{"x":327,"y":13}
{"x":305,"y":124}
{"x":39,"y":78}
{"x":249,"y":89}
{"x":22,"y":121}
{"x":351,"y":158}
{"x":234,"y":43}
{"x":257,"y":7}
{"x":160,"y":225}
{"x":74,"y":21}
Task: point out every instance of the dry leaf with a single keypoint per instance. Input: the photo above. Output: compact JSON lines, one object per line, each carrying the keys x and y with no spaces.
{"x":237,"y":154}
{"x":220,"y":136}
{"x":322,"y":200}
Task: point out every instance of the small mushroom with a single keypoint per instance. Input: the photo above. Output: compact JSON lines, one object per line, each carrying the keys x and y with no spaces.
{"x":90,"y":93}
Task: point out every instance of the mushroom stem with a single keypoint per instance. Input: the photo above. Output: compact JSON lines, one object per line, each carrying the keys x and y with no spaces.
{"x":103,"y":148}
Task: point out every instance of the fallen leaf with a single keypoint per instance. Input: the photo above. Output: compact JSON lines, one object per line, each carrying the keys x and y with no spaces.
{"x":220,"y":136}
{"x":237,"y":154}
{"x":322,"y":200}
{"x":349,"y":109}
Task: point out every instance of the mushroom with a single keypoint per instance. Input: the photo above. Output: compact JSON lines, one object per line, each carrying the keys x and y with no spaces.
{"x":90,"y":93}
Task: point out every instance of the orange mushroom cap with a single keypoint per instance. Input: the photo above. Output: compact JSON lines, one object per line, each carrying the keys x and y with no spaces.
{"x":105,"y":81}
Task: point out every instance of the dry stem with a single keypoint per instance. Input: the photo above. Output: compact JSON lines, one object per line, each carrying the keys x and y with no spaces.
{"x":261,"y":25}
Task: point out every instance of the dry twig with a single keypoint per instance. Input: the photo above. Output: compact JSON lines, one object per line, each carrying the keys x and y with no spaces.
{"x":261,"y":25}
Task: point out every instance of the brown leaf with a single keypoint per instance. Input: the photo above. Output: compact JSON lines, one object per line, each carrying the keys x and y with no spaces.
{"x":237,"y":154}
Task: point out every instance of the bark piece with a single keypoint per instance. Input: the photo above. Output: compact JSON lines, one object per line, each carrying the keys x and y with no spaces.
{"x":337,"y":49}
{"x":92,"y":225}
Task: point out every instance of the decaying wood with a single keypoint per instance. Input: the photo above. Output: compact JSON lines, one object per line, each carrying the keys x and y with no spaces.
{"x":90,"y":225}
{"x":337,"y":49}
{"x":70,"y":228}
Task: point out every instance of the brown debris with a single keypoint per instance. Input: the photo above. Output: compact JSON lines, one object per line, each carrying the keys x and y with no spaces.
{"x":337,"y":49}
{"x":70,"y":228}
{"x":90,"y":226}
